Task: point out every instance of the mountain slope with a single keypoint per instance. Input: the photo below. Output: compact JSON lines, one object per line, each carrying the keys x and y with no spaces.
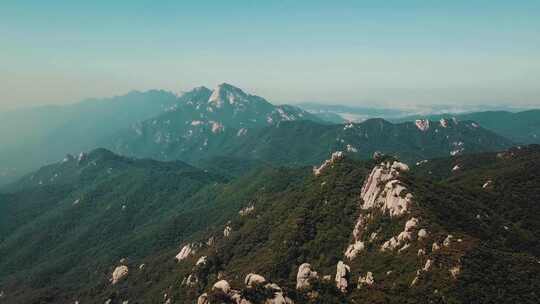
{"x":384,"y":233}
{"x":402,"y":237}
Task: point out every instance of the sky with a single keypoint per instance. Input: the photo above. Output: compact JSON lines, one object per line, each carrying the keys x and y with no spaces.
{"x":365,"y":53}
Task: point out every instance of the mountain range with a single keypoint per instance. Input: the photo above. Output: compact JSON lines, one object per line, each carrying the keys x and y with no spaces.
{"x":202,"y":124}
{"x":219,"y":196}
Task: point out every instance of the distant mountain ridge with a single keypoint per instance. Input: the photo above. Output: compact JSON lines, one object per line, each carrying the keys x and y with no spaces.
{"x":521,"y":127}
{"x":302,"y":142}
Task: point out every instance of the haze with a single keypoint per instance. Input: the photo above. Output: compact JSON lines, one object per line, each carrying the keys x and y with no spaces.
{"x":353,"y":52}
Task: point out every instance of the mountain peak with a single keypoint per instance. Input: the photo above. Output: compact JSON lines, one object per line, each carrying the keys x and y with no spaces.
{"x":226,"y":93}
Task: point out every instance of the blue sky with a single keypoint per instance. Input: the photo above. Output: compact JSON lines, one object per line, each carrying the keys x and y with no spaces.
{"x":383,"y":53}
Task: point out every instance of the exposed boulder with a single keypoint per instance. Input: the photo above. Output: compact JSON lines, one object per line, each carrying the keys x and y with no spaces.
{"x":401,"y":239}
{"x":222,"y":286}
{"x":342,"y":276}
{"x":254,"y":279}
{"x":305,"y":273}
{"x":448,"y":240}
{"x":119,"y":273}
{"x":422,"y":233}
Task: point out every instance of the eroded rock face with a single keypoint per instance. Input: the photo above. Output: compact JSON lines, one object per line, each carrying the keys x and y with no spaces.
{"x":342,"y":276}
{"x":305,"y":273}
{"x":186,"y":251}
{"x":336,"y":156}
{"x":119,"y":273}
{"x":253,"y":279}
{"x":383,"y":190}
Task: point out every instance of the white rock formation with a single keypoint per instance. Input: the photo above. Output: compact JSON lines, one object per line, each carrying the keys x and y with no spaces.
{"x":305,"y":273}
{"x":351,"y":149}
{"x":201,"y":261}
{"x":354,"y":249}
{"x":422,"y":233}
{"x":186,"y":251}
{"x":448,"y":240}
{"x":435,"y":247}
{"x":119,"y":273}
{"x":342,"y":276}
{"x":222,"y":286}
{"x":421,"y":252}
{"x":383,"y":190}
{"x":456,"y":167}
{"x":487,"y":184}
{"x":411,"y":224}
{"x":254,"y":279}
{"x":443,"y":122}
{"x":227,"y":231}
{"x":366,"y":280}
{"x":403,"y":238}
{"x":405,"y":247}
{"x":336,"y":156}
{"x":247,"y":210}
{"x":422,"y":124}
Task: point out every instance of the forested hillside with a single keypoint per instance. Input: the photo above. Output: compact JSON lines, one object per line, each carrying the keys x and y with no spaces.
{"x":375,"y":231}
